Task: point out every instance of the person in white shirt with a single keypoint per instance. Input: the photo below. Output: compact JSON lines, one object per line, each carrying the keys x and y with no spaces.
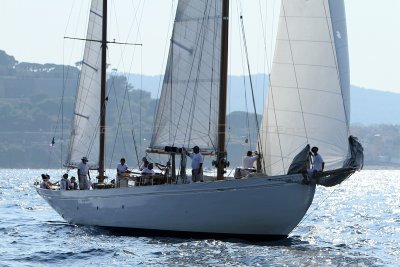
{"x":247,"y":165}
{"x":148,"y":171}
{"x":249,"y":159}
{"x":318,"y":163}
{"x":144,"y":164}
{"x":197,"y":164}
{"x":83,"y":174}
{"x":122,"y":171}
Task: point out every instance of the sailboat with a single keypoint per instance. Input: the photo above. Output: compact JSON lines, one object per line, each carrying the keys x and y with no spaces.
{"x":308,"y":104}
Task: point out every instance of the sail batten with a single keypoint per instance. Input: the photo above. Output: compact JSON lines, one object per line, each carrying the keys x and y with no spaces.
{"x":96,"y":12}
{"x":90,"y":66}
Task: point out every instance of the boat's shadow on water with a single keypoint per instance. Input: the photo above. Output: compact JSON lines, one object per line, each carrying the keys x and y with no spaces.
{"x":284,"y":242}
{"x":179,"y":237}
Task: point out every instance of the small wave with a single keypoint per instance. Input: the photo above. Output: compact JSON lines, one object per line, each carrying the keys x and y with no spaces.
{"x":58,"y":223}
{"x":341,"y":246}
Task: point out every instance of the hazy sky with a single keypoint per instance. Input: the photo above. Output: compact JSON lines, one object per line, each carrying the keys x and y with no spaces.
{"x":34,"y":30}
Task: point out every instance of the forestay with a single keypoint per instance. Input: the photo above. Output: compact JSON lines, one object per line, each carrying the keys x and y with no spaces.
{"x":188,"y":107}
{"x":308,"y":101}
{"x":85,"y":124}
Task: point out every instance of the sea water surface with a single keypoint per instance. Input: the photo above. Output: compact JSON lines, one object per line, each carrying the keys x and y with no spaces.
{"x":354,"y":224}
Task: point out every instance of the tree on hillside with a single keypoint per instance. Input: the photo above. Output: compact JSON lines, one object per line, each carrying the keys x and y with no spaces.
{"x":7,"y":64}
{"x":6,"y":60}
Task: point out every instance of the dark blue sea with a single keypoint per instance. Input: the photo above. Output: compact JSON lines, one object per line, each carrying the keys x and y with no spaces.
{"x":354,"y":224}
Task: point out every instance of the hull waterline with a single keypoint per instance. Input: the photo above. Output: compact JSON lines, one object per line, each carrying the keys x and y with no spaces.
{"x":256,"y":208}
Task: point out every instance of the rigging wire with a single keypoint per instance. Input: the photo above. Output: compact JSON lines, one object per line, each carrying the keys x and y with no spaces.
{"x":60,"y":120}
{"x":248,"y":139}
{"x":266,"y":64}
{"x":199,"y":45}
{"x":119,"y":119}
{"x":60,"y":116}
{"x":195,"y":93}
{"x":271,"y":93}
{"x":269,"y":66}
{"x":174,"y":129}
{"x":64,"y":81}
{"x":160,"y":85}
{"x":137,"y":18}
{"x":251,"y":83}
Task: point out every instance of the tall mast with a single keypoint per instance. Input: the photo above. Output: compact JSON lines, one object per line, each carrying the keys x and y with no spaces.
{"x":221,"y":153}
{"x":103,"y":93}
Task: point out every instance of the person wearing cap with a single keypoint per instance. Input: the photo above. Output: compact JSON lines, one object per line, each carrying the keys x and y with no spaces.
{"x":318,"y":163}
{"x":64,"y":183}
{"x":197,"y":164}
{"x":83,"y":174}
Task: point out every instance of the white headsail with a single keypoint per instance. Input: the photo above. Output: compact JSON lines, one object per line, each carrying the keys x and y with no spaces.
{"x":85,"y":124}
{"x":188,"y":109}
{"x":308,"y":100}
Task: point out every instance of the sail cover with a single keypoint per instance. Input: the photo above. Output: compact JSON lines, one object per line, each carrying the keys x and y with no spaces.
{"x":187,"y":113}
{"x":308,"y":100}
{"x":85,"y":123}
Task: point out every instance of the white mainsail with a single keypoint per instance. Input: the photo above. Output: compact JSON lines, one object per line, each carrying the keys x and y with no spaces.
{"x":85,"y":124}
{"x":308,"y":100}
{"x":188,"y":108}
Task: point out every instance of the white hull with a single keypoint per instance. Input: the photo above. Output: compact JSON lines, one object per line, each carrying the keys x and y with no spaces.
{"x":259,"y":207}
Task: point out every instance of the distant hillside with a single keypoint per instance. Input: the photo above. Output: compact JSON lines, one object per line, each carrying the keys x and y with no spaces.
{"x":374,"y":107}
{"x":368,"y":106}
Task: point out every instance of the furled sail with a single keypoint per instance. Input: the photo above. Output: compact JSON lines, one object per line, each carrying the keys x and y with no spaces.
{"x":187,"y":113}
{"x":308,"y":100}
{"x":85,"y":123}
